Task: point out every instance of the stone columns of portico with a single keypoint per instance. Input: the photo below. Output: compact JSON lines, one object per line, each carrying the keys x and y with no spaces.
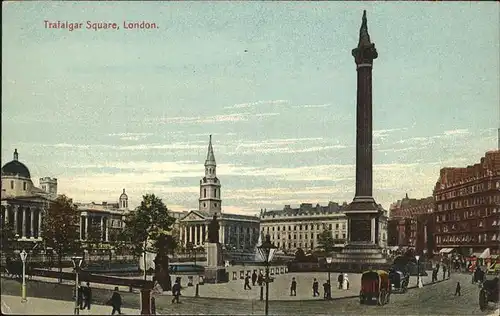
{"x":221,"y":235}
{"x":238,"y":228}
{"x":81,"y":227}
{"x":86,"y":227}
{"x":16,"y":210}
{"x":6,"y":218}
{"x":32,"y":226}
{"x":185,"y":228}
{"x":250,"y":241}
{"x":24,"y":223}
{"x":102,"y":227}
{"x":40,"y":214}
{"x":196,"y":234}
{"x":206,"y":233}
{"x":107,"y":229}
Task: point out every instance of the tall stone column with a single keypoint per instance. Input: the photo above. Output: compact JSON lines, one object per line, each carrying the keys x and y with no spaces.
{"x":250,"y":242}
{"x":238,"y":229}
{"x":16,"y":210}
{"x":191,"y":236}
{"x":206,"y":233}
{"x":32,"y":224}
{"x":222,"y":234}
{"x":24,"y":223}
{"x":6,"y":214}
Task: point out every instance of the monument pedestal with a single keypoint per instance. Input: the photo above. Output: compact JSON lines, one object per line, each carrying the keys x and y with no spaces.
{"x":362,"y":252}
{"x":214,"y":271}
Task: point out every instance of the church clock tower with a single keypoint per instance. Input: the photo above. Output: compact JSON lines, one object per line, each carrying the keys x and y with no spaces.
{"x":209,"y":200}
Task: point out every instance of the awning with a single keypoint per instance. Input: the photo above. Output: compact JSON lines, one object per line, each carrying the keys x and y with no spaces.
{"x":485,"y":254}
{"x":446,"y":250}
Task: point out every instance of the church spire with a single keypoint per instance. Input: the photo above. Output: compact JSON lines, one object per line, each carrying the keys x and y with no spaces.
{"x":210,"y":155}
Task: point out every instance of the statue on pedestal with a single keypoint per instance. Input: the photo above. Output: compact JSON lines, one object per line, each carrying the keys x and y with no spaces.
{"x":213,"y":230}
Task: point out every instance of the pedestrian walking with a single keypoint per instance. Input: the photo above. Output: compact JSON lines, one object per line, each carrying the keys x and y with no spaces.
{"x":293,"y":288}
{"x":325,"y":289}
{"x":80,"y":297}
{"x":247,"y":283}
{"x":116,"y":302}
{"x":315,"y":288}
{"x":444,"y":272}
{"x":254,"y":278}
{"x":457,"y":289}
{"x":260,"y":279}
{"x":449,"y":273}
{"x":176,"y":291}
{"x":340,"y":279}
{"x":345,"y":283}
{"x":87,"y":296}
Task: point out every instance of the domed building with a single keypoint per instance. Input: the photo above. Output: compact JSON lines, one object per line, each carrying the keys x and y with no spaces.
{"x":22,"y":203}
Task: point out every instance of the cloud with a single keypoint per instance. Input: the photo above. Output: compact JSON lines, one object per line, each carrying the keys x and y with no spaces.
{"x":236,"y":117}
{"x":130,"y":136}
{"x":256,"y":103}
{"x":382,"y":133}
{"x":308,"y":106}
{"x":456,"y":132}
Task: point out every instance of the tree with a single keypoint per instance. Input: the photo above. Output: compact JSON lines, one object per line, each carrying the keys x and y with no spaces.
{"x":325,"y":241}
{"x":60,"y":228}
{"x":148,"y":229}
{"x":8,"y":236}
{"x":300,"y":255}
{"x":94,"y":238}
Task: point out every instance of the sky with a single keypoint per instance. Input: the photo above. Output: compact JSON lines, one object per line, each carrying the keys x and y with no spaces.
{"x":274,"y":83}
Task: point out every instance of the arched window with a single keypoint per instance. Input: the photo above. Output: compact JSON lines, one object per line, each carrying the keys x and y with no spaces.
{"x":204,"y":193}
{"x":215,"y":192}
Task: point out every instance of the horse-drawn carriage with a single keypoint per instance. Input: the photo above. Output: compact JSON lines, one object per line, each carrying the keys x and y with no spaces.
{"x":375,"y":287}
{"x":399,"y":281}
{"x":489,"y":292}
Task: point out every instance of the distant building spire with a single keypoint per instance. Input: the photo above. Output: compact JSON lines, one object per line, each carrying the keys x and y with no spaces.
{"x":210,"y":154}
{"x":16,"y":155}
{"x":406,"y":197}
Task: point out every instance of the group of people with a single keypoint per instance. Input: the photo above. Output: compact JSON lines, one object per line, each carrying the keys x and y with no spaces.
{"x":84,"y":296}
{"x":435,"y":271}
{"x":259,"y":279}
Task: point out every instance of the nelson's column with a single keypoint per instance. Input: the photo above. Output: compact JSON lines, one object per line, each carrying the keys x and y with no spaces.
{"x":362,"y":251}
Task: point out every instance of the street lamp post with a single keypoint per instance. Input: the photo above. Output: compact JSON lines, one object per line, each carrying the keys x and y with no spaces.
{"x":419,"y":281}
{"x":77,"y":263}
{"x":23,"y":255}
{"x":267,"y":251}
{"x":329,"y":262}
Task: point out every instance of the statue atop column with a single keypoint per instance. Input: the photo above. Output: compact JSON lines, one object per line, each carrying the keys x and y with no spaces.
{"x":213,"y":230}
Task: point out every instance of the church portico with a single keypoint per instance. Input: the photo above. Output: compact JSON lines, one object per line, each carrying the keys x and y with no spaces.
{"x":26,"y":220}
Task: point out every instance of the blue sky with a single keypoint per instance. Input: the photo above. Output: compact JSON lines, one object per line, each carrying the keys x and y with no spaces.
{"x":274,"y":83}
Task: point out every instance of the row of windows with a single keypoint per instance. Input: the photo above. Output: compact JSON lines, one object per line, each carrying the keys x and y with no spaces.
{"x":468,"y":238}
{"x":306,"y":236}
{"x":25,"y":185}
{"x":305,"y":227}
{"x":468,"y":190}
{"x":467,"y":214}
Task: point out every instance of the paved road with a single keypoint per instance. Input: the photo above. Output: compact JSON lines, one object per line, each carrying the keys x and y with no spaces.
{"x":437,"y":299}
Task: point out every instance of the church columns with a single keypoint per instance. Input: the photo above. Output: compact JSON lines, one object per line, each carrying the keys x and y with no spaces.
{"x":250,"y":240}
{"x":185,"y":240}
{"x":102,"y":227}
{"x":196,"y":234}
{"x":40,"y":216}
{"x":32,"y":226}
{"x":205,"y":235}
{"x":238,"y":228}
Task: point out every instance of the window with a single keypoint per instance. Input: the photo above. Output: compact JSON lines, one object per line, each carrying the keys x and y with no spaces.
{"x":204,"y":205}
{"x":215,"y":204}
{"x":204,"y":193}
{"x":215,"y":192}
{"x":12,"y":184}
{"x":24,"y":186}
{"x":330,"y":226}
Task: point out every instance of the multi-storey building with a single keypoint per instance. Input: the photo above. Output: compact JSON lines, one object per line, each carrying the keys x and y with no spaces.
{"x":411,"y":223}
{"x":294,"y":228}
{"x":23,"y":204}
{"x":237,"y":232}
{"x":468,"y":207}
{"x":107,"y":217}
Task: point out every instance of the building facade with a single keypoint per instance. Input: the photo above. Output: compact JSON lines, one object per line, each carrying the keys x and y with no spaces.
{"x":411,"y":222}
{"x":468,"y":207}
{"x":106,"y":217}
{"x":237,"y":232}
{"x":22,"y":204}
{"x":294,"y":228}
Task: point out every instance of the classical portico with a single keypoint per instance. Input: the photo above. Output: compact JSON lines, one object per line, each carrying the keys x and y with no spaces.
{"x":25,"y":218}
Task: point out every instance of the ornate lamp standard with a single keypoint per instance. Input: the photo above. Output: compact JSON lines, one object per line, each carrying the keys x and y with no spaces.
{"x":419,"y":281}
{"x":329,"y":262}
{"x":77,"y":263}
{"x":23,"y":255}
{"x":267,"y":251}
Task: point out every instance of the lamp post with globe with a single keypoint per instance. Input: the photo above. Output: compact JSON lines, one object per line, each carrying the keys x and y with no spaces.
{"x":267,"y":251}
{"x":419,"y":281}
{"x":23,"y":255}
